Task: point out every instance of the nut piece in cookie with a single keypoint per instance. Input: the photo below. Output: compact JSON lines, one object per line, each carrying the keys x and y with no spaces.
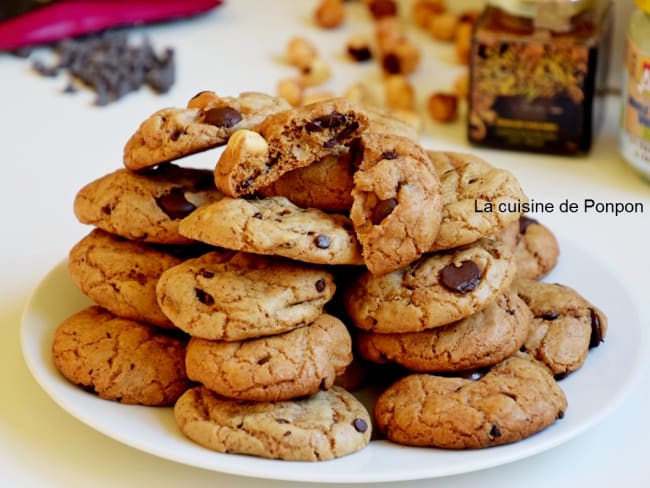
{"x":146,"y":206}
{"x":327,"y":425}
{"x":208,"y":121}
{"x":295,"y":138}
{"x":120,"y":359}
{"x":565,"y":325}
{"x":220,"y":296}
{"x":435,"y":290}
{"x":275,"y":226}
{"x":468,"y":182}
{"x":297,"y":363}
{"x":514,"y":400}
{"x":482,"y":339}
{"x":396,"y":209}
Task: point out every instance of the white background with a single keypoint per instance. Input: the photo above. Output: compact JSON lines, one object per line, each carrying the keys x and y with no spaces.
{"x":52,"y":144}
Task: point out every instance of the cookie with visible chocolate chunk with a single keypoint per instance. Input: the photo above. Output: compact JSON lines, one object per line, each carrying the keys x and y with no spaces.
{"x":275,"y":226}
{"x":397,"y":201}
{"x":285,"y":141}
{"x":208,"y":121}
{"x":297,"y":363}
{"x":534,"y":245}
{"x":436,"y":290}
{"x":482,"y":339}
{"x":121,"y":275}
{"x":146,"y":206}
{"x":232,"y":297}
{"x":327,"y":425}
{"x":470,"y":183}
{"x":120,"y":359}
{"x":565,"y":325}
{"x":513,"y":400}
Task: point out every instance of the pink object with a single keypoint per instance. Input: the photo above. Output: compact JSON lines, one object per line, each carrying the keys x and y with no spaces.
{"x":69,"y":18}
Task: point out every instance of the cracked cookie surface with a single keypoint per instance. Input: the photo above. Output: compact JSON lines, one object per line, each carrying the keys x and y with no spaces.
{"x":482,"y":339}
{"x":120,"y":359}
{"x":208,"y":121}
{"x":275,"y":226}
{"x":297,"y":363}
{"x":470,"y":183}
{"x":564,"y":328}
{"x":121,"y":275}
{"x":220,"y":296}
{"x":146,"y":206}
{"x":534,"y":245}
{"x":396,"y":209}
{"x":327,"y":425}
{"x":514,"y":400}
{"x":435,"y":290}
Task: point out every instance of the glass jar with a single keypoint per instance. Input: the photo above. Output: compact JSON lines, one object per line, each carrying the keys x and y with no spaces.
{"x":635,"y":122}
{"x":535,"y":69}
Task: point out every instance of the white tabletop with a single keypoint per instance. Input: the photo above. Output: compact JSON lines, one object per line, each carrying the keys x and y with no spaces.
{"x":52,"y":144}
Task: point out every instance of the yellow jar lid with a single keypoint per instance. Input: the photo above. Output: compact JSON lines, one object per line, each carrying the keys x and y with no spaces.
{"x":643,"y":5}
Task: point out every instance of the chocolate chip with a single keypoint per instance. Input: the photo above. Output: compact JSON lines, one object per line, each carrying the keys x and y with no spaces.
{"x":320,"y":285}
{"x":596,"y":330}
{"x":360,"y":425}
{"x":524,"y":222}
{"x":204,"y":297}
{"x":561,"y":376}
{"x":225,"y":117}
{"x":383,"y":209}
{"x":463,"y":278}
{"x":282,"y":421}
{"x":550,"y":315}
{"x":360,"y":54}
{"x":329,"y":121}
{"x":560,"y":414}
{"x":174,"y":204}
{"x":392,"y":154}
{"x":257,"y":215}
{"x":495,"y":432}
{"x":322,"y":241}
{"x":206,"y":273}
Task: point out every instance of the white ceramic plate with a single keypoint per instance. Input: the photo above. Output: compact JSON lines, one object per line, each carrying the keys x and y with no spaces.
{"x":609,"y":373}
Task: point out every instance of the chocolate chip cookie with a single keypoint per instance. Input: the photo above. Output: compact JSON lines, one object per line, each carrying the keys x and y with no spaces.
{"x":514,"y":400}
{"x":275,"y":226}
{"x":565,"y":325}
{"x":297,"y":363}
{"x":534,"y":245}
{"x":220,"y":296}
{"x":285,"y":141}
{"x":121,"y":275}
{"x":396,"y":209}
{"x":437,"y":289}
{"x":145,"y":206}
{"x":120,"y":359}
{"x":482,"y":339}
{"x":327,"y":425}
{"x":478,"y":199}
{"x":208,"y":121}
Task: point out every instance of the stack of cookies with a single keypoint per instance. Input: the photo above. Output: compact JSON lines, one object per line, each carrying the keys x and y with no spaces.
{"x":325,"y":238}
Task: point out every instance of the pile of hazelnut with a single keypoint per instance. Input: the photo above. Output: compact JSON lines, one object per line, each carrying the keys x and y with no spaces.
{"x":396,"y":55}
